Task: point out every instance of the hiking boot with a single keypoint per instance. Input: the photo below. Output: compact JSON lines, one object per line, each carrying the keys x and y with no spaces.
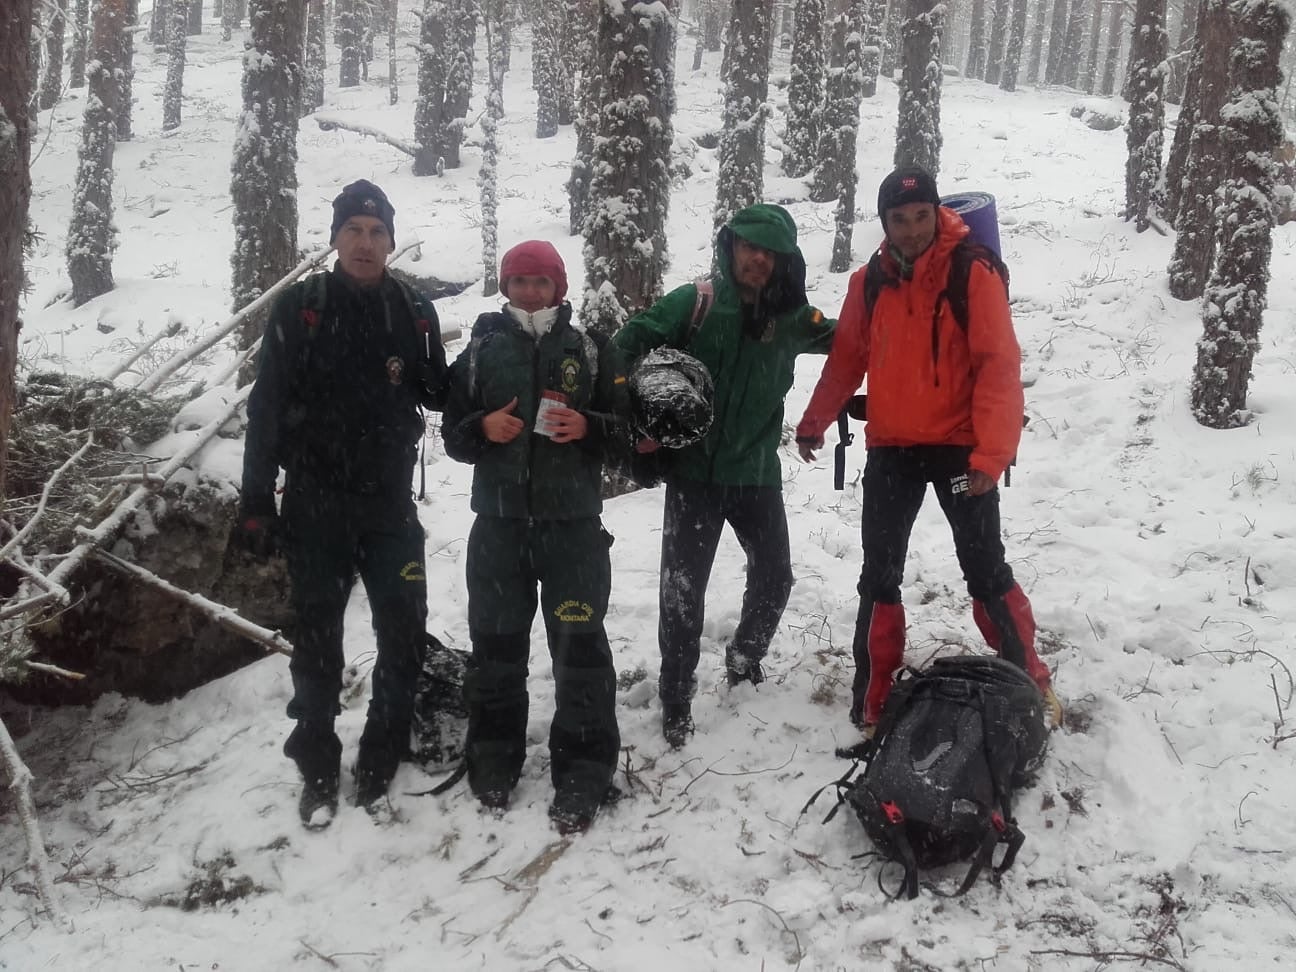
{"x":677,"y":723}
{"x":741,"y":668}
{"x":573,"y":813}
{"x":317,"y":751}
{"x":319,"y":802}
{"x":494,"y":799}
{"x":1052,"y":709}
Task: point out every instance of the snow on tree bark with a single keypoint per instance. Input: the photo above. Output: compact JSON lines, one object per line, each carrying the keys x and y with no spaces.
{"x":264,"y":170}
{"x":805,"y":89}
{"x":918,"y":135}
{"x":712,"y":24}
{"x":347,"y":36}
{"x":1178,"y":64}
{"x":843,"y":121}
{"x":1235,"y":298}
{"x":195,"y":18}
{"x":1073,"y":43}
{"x":90,"y":232}
{"x":1173,"y":177}
{"x":16,"y":82}
{"x":125,"y":72}
{"x":1038,"y":23}
{"x":1012,"y":54}
{"x":547,"y":67}
{"x":488,"y":175}
{"x":1204,"y":166}
{"x":871,"y":53}
{"x":231,"y":17}
{"x":52,"y":82}
{"x":1145,"y":134}
{"x":463,"y":36}
{"x":741,"y":155}
{"x":998,"y":41}
{"x":1088,"y":79}
{"x":978,"y":51}
{"x":584,"y":21}
{"x":1114,"y":27}
{"x":172,"y":94}
{"x":80,"y":35}
{"x":893,"y":48}
{"x":629,"y":193}
{"x":159,"y":20}
{"x":444,"y":83}
{"x":316,"y":59}
{"x":1057,"y":41}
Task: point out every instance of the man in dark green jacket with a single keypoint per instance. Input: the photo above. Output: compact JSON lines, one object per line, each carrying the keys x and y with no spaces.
{"x":756,"y":325}
{"x":348,"y":359}
{"x":534,"y":403}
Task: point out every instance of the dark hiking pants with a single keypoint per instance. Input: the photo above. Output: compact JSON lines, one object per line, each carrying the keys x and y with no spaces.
{"x":695,"y":515}
{"x":329,"y":537}
{"x":568,"y":561}
{"x":895,"y":482}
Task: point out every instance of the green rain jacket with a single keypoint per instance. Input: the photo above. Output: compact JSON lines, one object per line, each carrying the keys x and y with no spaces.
{"x":750,"y":351}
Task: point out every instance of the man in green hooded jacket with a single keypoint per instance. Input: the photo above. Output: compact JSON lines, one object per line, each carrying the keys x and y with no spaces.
{"x":757,"y":323}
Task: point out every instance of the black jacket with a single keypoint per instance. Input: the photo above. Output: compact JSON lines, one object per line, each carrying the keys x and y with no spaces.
{"x":342,"y":375}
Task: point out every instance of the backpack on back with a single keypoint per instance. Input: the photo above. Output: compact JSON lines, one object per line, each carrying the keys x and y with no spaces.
{"x":953,"y":743}
{"x":964,"y":255}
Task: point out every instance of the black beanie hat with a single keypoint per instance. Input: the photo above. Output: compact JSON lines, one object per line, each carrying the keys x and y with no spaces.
{"x":362,"y":198}
{"x":910,"y":184}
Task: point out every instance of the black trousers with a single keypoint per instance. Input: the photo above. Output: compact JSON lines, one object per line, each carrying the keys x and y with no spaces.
{"x":568,"y":560}
{"x":695,"y":515}
{"x":895,"y":482}
{"x":329,"y":537}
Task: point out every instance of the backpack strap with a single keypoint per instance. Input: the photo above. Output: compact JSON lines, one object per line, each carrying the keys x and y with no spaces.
{"x":701,"y":307}
{"x":966,"y":253}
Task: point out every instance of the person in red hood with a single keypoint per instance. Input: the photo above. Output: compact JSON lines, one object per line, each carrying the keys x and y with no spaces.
{"x":944,"y":407}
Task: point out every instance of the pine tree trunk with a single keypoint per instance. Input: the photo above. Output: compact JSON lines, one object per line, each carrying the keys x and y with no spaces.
{"x":547,"y":67}
{"x":629,"y":196}
{"x":16,"y":89}
{"x":195,"y":18}
{"x":1235,"y":298}
{"x":829,"y":166}
{"x":1145,"y":134}
{"x":1057,"y":42}
{"x":80,"y":37}
{"x":488,"y":175}
{"x":977,"y":49}
{"x":159,"y":24}
{"x":1182,"y":54}
{"x":1012,"y":56}
{"x":264,"y":181}
{"x":872,"y":52}
{"x":1114,"y":28}
{"x":1204,"y":167}
{"x":741,"y":155}
{"x":316,"y":57}
{"x":52,"y":83}
{"x":893,"y":49}
{"x":846,"y":124}
{"x":172,"y":95}
{"x":1039,"y":22}
{"x":123,"y":110}
{"x":348,"y":38}
{"x":998,"y":41}
{"x":1089,"y":73}
{"x":805,"y":90}
{"x":588,"y":99}
{"x":712,"y":25}
{"x":1073,"y":43}
{"x":463,"y":35}
{"x":430,"y":111}
{"x":1178,"y":158}
{"x":90,"y":232}
{"x":918,"y":134}
{"x":231,"y":17}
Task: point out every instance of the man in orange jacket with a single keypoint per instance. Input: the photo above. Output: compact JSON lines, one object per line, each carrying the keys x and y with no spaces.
{"x":944,"y":407}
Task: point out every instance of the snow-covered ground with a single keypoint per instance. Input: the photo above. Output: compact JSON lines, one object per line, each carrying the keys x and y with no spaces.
{"x":1160,"y":557}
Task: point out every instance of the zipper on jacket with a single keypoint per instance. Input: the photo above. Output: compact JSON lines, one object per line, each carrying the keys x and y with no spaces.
{"x":935,"y":338}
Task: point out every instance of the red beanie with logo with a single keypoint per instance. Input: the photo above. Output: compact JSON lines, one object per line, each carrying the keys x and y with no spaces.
{"x":534,"y":258}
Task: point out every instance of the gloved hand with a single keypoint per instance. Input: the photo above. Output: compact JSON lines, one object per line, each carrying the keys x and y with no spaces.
{"x":257,"y":536}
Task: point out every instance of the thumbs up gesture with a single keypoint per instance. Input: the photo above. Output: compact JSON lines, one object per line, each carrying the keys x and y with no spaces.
{"x":502,"y":425}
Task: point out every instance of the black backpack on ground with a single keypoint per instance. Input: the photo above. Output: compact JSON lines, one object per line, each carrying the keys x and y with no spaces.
{"x":953,"y":744}
{"x":440,"y":723}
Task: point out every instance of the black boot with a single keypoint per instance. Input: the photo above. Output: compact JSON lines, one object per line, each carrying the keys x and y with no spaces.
{"x":677,"y":723}
{"x":317,"y":751}
{"x":381,"y":749}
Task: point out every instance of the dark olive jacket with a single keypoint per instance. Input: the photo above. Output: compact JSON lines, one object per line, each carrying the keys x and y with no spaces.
{"x":533,"y":476}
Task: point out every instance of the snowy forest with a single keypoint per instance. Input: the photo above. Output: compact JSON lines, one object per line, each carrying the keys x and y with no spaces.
{"x":166,"y":172}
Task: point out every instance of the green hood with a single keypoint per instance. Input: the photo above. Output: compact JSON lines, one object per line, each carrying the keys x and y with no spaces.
{"x":770,"y":226}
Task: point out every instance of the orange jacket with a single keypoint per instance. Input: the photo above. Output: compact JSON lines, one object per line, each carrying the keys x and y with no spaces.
{"x":929,"y":383}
